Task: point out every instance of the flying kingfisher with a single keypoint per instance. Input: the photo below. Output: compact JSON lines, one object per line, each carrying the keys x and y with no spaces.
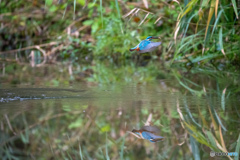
{"x":146,"y":45}
{"x":149,"y":133}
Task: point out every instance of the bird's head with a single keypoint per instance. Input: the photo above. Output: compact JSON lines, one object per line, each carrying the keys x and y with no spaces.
{"x":149,"y":38}
{"x":138,"y":132}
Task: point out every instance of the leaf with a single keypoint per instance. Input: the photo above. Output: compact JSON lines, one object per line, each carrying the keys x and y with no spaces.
{"x":105,"y":128}
{"x":76,"y":124}
{"x":211,"y":11}
{"x":80,"y":152}
{"x":74,"y":10}
{"x":205,"y":124}
{"x":212,"y":139}
{"x":200,"y":15}
{"x":216,"y":21}
{"x":237,"y":149}
{"x":48,"y":2}
{"x":188,"y":22}
{"x":195,"y":149}
{"x":235,"y":7}
{"x":88,"y":22}
{"x":219,"y":120}
{"x":223,"y":99}
{"x":221,"y":42}
{"x":204,"y":3}
{"x":189,"y":7}
{"x":222,"y":140}
{"x":81,"y":2}
{"x":101,"y":11}
{"x":216,"y":8}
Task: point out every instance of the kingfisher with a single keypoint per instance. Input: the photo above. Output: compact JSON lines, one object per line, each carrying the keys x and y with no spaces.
{"x":149,"y":133}
{"x":146,"y":45}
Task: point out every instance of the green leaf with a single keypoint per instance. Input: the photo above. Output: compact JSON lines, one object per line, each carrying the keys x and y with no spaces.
{"x":212,"y":140}
{"x":101,"y":10}
{"x":91,"y":5}
{"x":81,"y":2}
{"x":221,"y":41}
{"x":76,"y":124}
{"x":105,"y":128}
{"x":48,"y":2}
{"x":52,"y":8}
{"x":204,"y":3}
{"x":195,"y":149}
{"x":189,"y":7}
{"x":237,"y":148}
{"x":215,"y":24}
{"x":88,"y":22}
{"x":95,"y":27}
{"x":223,"y":99}
{"x":235,"y":7}
{"x":74,"y":6}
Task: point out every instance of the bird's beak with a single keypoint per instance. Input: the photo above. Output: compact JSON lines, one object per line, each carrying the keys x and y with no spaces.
{"x":155,"y":38}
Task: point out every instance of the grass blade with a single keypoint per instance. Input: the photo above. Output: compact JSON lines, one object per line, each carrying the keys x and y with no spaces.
{"x":74,"y":9}
{"x":222,"y":140}
{"x":64,"y":11}
{"x":116,"y":2}
{"x":107,"y":148}
{"x":216,"y":21}
{"x":212,"y":140}
{"x":101,"y":11}
{"x":223,"y":99}
{"x":122,"y":149}
{"x":216,"y":8}
{"x":221,"y":41}
{"x":237,"y":148}
{"x":195,"y":149}
{"x":210,"y":15}
{"x":80,"y":152}
{"x":235,"y":7}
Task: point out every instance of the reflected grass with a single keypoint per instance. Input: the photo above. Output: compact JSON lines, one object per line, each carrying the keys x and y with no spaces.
{"x":97,"y":128}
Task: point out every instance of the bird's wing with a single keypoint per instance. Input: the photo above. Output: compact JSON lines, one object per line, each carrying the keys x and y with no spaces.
{"x":143,"y":44}
{"x":148,"y":136}
{"x":152,"y":129}
{"x":150,"y":47}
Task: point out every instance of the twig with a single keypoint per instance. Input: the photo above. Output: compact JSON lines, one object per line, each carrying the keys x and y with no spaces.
{"x":30,"y":47}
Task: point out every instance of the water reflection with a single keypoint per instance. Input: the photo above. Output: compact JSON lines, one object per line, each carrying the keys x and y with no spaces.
{"x":149,"y":133}
{"x":94,"y":122}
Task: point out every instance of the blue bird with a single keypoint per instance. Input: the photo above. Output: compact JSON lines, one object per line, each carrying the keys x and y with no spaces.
{"x":146,"y":45}
{"x":149,"y":133}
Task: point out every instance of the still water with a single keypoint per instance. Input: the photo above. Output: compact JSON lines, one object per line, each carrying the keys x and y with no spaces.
{"x":84,"y":121}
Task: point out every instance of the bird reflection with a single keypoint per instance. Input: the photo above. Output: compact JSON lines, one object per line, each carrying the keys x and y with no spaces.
{"x":148,"y":132}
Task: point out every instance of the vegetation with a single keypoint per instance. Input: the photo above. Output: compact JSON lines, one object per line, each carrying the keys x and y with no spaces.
{"x":48,"y":31}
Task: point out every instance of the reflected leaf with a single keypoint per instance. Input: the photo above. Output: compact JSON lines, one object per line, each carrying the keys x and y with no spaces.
{"x":105,"y":128}
{"x":223,"y":99}
{"x":212,"y":140}
{"x":237,"y":148}
{"x":195,"y":149}
{"x":76,"y":124}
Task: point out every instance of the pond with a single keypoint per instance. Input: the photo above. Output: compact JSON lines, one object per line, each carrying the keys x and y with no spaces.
{"x":197,"y":114}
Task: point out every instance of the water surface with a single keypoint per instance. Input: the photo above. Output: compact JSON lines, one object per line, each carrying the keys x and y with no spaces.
{"x":93,"y":122}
